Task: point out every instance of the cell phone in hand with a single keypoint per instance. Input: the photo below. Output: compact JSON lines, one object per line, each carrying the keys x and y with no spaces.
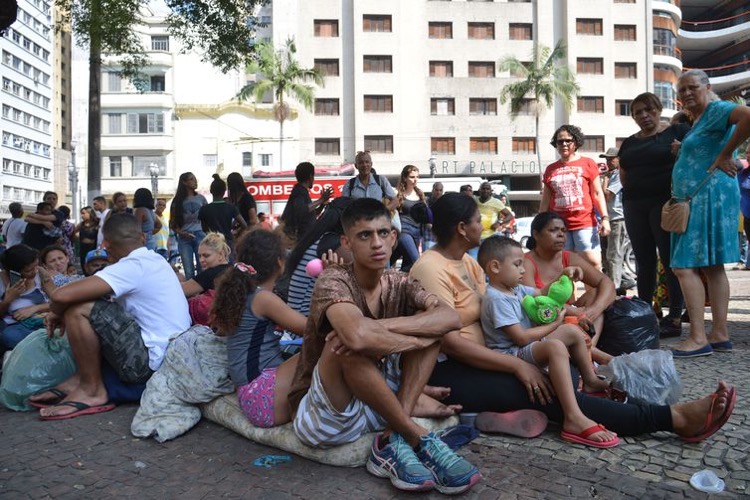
{"x":15,"y":277}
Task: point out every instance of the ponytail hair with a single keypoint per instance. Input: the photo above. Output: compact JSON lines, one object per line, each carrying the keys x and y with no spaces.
{"x":258,"y":255}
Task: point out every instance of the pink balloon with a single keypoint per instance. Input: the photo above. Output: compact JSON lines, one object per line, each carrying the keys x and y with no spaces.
{"x":314,"y":268}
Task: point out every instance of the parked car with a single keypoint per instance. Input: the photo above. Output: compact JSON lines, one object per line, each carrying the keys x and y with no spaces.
{"x":523,"y":230}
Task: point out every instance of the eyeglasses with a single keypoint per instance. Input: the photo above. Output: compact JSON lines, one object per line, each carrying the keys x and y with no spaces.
{"x":562,"y":142}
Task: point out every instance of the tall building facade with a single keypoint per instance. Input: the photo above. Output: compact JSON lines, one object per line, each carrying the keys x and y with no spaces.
{"x":183,"y":116}
{"x":26,"y":59}
{"x":418,"y":82}
{"x":63,"y":141}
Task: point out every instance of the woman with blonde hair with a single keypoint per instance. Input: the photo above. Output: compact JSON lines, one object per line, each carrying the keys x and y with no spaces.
{"x":213,"y":254}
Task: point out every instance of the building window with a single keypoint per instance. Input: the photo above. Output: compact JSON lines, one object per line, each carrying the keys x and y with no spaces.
{"x":622,"y":107}
{"x":160,"y":42}
{"x":379,"y":143}
{"x":589,"y":27}
{"x":482,"y":69}
{"x":378,"y":64}
{"x":265,"y":160}
{"x":591,"y":104}
{"x":376,"y":23}
{"x":442,"y":106}
{"x":625,"y":70}
{"x":624,"y":1}
{"x":141,"y":165}
{"x":441,"y":68}
{"x":625,"y":32}
{"x":619,"y":141}
{"x":157,"y":83}
{"x":482,"y":106}
{"x":247,"y":159}
{"x":520,"y":31}
{"x":590,"y":65}
{"x":327,"y":147}
{"x":440,"y":30}
{"x":443,"y":145}
{"x":485,"y":145}
{"x":327,"y":107}
{"x":379,"y":103}
{"x":114,"y":82}
{"x":593,"y":143}
{"x":481,"y":31}
{"x":210,"y":161}
{"x":115,"y":166}
{"x":145,"y":123}
{"x":327,"y":67}
{"x":114,"y":123}
{"x":328,"y":28}
{"x":524,"y":145}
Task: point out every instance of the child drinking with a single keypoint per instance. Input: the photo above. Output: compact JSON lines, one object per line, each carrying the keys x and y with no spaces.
{"x":508,"y":329}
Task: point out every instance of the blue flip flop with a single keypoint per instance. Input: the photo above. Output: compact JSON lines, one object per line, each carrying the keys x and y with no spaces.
{"x":725,"y":346}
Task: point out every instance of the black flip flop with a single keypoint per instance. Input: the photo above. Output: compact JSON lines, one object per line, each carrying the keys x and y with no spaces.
{"x":59,"y":396}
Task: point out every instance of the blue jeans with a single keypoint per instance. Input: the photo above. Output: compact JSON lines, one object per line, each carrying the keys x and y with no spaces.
{"x":188,"y":248}
{"x":12,"y":335}
{"x":408,"y":242}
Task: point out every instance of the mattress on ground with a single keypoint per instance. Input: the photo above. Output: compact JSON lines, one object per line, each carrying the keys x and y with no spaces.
{"x":225,"y":411}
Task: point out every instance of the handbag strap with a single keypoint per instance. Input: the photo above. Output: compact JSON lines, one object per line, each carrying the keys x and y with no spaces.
{"x":695,"y":191}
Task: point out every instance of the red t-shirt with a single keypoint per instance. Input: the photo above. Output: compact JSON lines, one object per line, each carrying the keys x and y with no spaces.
{"x":572,"y":186}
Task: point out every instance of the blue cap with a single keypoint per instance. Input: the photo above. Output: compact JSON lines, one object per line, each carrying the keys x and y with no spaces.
{"x":99,"y":253}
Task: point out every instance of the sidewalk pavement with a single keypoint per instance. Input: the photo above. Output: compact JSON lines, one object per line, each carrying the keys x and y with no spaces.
{"x":96,"y":456}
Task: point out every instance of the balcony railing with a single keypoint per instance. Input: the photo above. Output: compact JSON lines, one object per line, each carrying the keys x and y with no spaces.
{"x":729,"y":69}
{"x":716,"y":24}
{"x":666,"y":50}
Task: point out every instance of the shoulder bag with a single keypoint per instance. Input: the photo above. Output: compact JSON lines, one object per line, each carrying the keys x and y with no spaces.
{"x":676,"y":212}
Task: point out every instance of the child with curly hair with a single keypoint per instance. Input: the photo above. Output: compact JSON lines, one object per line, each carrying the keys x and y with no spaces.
{"x":247,"y":311}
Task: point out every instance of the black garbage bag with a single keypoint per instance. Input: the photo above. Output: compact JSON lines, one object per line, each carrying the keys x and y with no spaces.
{"x":630,"y":325}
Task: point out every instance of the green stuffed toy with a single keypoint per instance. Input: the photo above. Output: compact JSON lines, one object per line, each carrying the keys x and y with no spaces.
{"x":543,"y":309}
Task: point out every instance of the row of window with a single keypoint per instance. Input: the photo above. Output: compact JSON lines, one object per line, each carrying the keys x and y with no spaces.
{"x":30,"y":146}
{"x":28,"y":196}
{"x":113,"y":80}
{"x":480,"y":30}
{"x":41,"y":5}
{"x":25,"y":93}
{"x":595,"y":27}
{"x":331,"y":146}
{"x":134,"y":166}
{"x":134,"y":123}
{"x":476,"y":69}
{"x":19,"y":116}
{"x":33,"y":23}
{"x":25,"y":169}
{"x":27,"y":69}
{"x":29,"y":45}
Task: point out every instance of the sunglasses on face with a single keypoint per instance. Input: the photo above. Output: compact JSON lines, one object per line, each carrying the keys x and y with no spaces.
{"x":562,"y":142}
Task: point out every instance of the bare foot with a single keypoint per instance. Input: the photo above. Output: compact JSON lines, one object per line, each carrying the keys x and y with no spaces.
{"x":689,"y":345}
{"x":65,"y":388}
{"x":715,"y":337}
{"x":98,"y":399}
{"x":595,"y":385}
{"x":692,"y":418}
{"x":428,"y":407}
{"x":577,"y":425}
{"x":436,"y":392}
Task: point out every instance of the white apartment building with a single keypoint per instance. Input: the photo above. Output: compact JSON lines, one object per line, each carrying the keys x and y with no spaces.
{"x":184,"y":118}
{"x":418,"y":82}
{"x":26,"y":122}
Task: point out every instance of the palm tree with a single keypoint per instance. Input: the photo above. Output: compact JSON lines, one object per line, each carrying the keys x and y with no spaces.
{"x":542,"y":80}
{"x":283,"y":76}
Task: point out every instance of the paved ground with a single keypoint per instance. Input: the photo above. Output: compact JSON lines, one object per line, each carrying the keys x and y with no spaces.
{"x":96,"y":456}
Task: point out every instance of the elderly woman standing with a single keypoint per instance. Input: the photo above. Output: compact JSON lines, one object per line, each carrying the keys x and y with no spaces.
{"x":710,"y":240}
{"x":646,"y":163}
{"x":573,"y":190}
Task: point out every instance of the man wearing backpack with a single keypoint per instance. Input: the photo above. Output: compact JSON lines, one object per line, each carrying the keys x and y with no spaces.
{"x":368,"y":184}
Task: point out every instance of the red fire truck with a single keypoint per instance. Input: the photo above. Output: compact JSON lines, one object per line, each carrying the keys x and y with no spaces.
{"x":271,"y":194}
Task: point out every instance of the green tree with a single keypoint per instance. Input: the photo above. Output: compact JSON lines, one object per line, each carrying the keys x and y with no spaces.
{"x":282,"y":75}
{"x":543,"y":79}
{"x":220,"y":30}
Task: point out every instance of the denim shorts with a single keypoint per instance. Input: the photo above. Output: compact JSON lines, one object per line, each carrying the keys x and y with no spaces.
{"x":121,"y":342}
{"x":583,"y":240}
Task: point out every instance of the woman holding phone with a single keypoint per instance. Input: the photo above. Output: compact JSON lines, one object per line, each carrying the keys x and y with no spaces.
{"x":22,"y":298}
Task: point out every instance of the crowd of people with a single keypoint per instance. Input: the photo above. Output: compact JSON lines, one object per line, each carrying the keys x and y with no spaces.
{"x":421,"y":307}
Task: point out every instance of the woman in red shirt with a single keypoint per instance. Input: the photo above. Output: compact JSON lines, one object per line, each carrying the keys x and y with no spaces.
{"x":572,"y":189}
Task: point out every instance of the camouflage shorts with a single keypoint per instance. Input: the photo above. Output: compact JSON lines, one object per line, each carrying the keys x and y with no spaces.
{"x":121,"y":341}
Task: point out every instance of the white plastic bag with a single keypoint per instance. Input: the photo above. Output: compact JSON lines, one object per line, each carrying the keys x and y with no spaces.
{"x":648,"y":376}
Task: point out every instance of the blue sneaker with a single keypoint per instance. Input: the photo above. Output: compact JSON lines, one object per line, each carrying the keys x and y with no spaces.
{"x":396,"y":460}
{"x":453,"y":474}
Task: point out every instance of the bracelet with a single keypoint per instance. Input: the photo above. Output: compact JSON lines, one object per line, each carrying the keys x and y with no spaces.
{"x":605,"y":217}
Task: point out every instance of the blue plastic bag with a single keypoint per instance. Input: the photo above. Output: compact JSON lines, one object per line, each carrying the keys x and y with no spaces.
{"x":36,"y":364}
